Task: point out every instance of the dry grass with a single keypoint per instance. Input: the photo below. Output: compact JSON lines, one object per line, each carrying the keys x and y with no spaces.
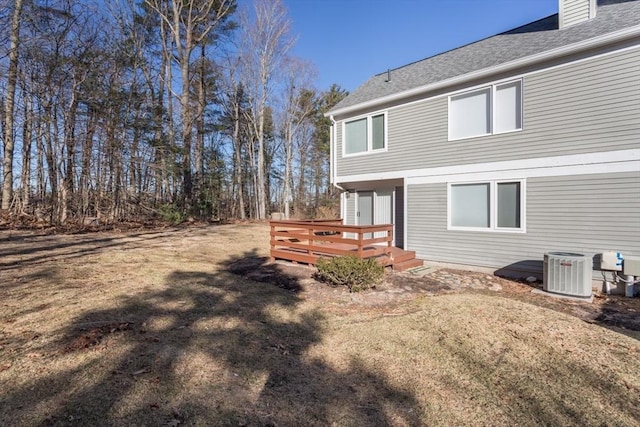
{"x":155,"y":329}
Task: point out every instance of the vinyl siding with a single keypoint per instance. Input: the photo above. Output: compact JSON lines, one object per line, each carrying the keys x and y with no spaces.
{"x":585,"y":107}
{"x":350,"y":218}
{"x":350,"y":211}
{"x":581,"y":213}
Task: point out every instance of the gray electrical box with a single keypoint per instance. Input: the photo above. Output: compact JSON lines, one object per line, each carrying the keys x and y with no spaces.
{"x":611,"y":261}
{"x":631,"y":266}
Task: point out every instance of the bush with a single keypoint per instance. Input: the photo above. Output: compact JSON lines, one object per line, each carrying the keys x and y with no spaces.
{"x":350,"y":271}
{"x":172,"y":213}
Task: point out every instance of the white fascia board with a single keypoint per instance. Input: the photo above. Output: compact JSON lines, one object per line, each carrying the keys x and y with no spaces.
{"x":613,"y":37}
{"x":625,"y":160}
{"x":614,"y":167}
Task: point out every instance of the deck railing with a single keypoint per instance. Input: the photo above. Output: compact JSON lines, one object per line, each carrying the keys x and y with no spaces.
{"x":307,"y":241}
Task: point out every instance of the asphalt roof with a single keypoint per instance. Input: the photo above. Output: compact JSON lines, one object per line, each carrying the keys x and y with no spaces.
{"x":527,"y":40}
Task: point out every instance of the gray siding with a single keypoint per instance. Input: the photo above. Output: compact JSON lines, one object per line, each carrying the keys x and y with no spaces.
{"x":574,"y":11}
{"x":351,"y":209}
{"x":585,"y":107}
{"x":581,"y":213}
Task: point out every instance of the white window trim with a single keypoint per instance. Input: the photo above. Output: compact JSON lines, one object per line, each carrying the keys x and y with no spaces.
{"x":493,"y":210}
{"x":493,"y":87}
{"x":370,"y":149}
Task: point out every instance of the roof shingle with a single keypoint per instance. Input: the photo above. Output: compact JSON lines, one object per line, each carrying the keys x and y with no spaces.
{"x":530,"y":39}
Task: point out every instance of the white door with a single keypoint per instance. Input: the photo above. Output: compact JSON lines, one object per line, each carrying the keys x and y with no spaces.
{"x":383,"y":209}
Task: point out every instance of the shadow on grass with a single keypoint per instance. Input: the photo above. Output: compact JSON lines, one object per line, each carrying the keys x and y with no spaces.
{"x":212,"y":349}
{"x":28,"y":250}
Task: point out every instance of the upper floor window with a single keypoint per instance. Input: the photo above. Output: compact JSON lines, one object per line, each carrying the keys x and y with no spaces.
{"x":489,"y":110}
{"x":365,"y":134}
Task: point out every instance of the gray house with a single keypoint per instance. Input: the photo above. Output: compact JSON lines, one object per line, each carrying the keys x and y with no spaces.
{"x":496,"y":152}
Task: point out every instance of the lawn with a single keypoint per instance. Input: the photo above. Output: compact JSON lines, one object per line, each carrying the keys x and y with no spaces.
{"x":159,"y":327}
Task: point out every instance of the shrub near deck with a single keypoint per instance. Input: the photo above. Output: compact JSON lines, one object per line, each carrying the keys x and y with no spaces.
{"x":350,"y":271}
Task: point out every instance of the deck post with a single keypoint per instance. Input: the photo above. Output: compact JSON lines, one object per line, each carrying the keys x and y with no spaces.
{"x":272,"y":242}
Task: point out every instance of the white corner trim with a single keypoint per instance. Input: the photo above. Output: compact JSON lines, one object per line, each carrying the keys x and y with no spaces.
{"x":601,"y":162}
{"x":594,"y":42}
{"x":405,"y":217}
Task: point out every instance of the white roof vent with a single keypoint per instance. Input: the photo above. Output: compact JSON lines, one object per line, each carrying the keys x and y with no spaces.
{"x":571,"y":12}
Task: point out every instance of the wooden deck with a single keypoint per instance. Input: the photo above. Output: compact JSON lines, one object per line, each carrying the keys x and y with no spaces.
{"x":307,"y":241}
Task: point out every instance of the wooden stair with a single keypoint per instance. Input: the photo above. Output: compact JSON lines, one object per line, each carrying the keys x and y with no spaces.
{"x":401,"y":260}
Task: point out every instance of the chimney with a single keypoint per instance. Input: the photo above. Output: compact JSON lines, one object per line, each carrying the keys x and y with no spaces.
{"x":571,"y":12}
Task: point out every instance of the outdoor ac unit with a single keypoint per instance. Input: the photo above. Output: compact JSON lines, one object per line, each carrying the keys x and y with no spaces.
{"x":567,"y":273}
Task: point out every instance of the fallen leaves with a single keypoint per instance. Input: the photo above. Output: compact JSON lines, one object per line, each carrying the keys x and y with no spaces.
{"x":94,"y":336}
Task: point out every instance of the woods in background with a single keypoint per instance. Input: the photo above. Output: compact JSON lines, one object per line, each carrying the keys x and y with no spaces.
{"x":124,"y":109}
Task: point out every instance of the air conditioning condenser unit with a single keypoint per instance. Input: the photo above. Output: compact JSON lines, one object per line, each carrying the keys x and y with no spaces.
{"x":567,"y":273}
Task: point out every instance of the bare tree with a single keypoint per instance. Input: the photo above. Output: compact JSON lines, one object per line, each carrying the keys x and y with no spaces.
{"x":266,"y":41}
{"x":298,"y":108}
{"x":233,"y":99}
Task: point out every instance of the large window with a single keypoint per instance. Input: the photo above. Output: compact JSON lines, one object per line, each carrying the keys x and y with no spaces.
{"x":489,"y":110}
{"x":491,"y":206}
{"x":365,"y":134}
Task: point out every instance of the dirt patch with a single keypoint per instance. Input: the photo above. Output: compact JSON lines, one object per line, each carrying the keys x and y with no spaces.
{"x":92,"y":337}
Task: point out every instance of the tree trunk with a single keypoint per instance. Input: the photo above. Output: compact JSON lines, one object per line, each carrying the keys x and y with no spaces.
{"x":187,"y":123}
{"x":200,"y":128}
{"x":12,"y":77}
{"x":40,"y":155}
{"x":50,"y":156}
{"x":27,"y":134}
{"x":70,"y":144}
{"x":170,"y":129}
{"x":260,"y":184}
{"x":287,"y":169}
{"x":237,"y":144}
{"x":85,"y":173}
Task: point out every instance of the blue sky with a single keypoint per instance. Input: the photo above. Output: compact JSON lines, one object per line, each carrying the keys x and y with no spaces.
{"x":351,"y":40}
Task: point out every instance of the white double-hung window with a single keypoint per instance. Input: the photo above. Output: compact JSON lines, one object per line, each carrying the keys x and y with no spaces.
{"x":365,"y":134}
{"x":487,"y":206}
{"x":489,"y":110}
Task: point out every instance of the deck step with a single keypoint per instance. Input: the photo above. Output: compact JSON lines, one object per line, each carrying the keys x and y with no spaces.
{"x":406,"y":265}
{"x":402,"y":255}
